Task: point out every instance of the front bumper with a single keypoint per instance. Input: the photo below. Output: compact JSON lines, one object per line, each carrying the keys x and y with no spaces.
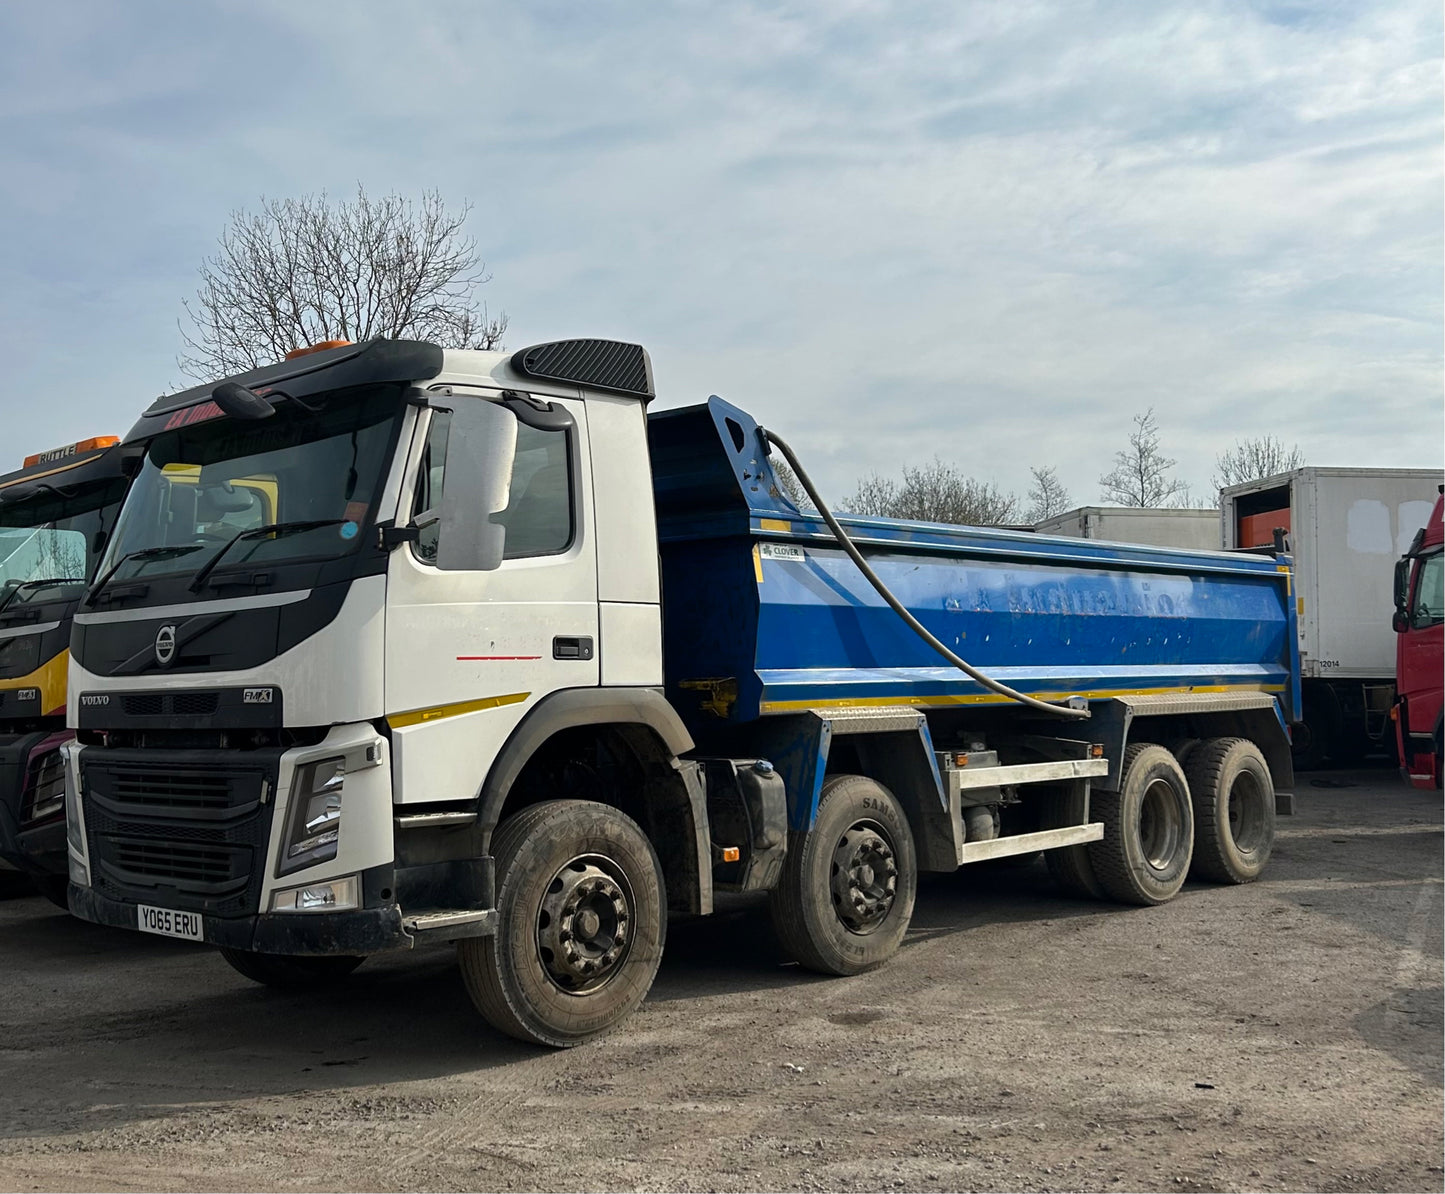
{"x":359,"y":932}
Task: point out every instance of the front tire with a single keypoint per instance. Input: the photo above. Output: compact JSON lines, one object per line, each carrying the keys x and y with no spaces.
{"x":581,"y":924}
{"x":846,"y":893}
{"x":1148,"y":829}
{"x":286,"y":972}
{"x":1233,"y":796}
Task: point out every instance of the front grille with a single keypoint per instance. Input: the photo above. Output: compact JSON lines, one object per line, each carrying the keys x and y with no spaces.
{"x":217,"y":869}
{"x":44,"y":788}
{"x":172,"y":704}
{"x":186,"y":829}
{"x":172,"y":789}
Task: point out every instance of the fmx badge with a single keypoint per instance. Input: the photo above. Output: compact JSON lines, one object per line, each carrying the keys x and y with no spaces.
{"x":27,"y":694}
{"x":257,"y":696}
{"x":165,"y":645}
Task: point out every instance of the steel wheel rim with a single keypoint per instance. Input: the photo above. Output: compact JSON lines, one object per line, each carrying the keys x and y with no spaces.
{"x":863,"y":877}
{"x":584,"y":924}
{"x":1246,"y":812}
{"x":1161,"y":827}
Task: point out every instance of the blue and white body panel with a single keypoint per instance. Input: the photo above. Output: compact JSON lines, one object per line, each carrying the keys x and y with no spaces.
{"x":765,"y":614}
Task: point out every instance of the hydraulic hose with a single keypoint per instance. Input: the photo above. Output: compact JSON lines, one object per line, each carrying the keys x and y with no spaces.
{"x":770,"y":439}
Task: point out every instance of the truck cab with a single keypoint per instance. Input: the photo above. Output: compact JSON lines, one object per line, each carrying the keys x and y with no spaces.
{"x":55,"y":513}
{"x":1419,"y":623}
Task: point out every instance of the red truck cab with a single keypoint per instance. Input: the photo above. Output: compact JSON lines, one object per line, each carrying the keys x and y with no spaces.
{"x":1419,"y":625}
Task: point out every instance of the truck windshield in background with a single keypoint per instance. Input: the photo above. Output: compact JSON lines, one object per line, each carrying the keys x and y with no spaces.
{"x":300,"y":485}
{"x":1427,"y":604}
{"x":49,"y":540}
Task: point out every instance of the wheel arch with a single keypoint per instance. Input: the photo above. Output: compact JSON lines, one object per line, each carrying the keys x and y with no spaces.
{"x":640,"y":737}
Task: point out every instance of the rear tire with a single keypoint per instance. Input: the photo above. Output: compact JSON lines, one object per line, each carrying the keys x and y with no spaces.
{"x":286,"y":972}
{"x":1233,"y":795}
{"x":846,"y":894}
{"x":1148,"y":829}
{"x":581,"y":923}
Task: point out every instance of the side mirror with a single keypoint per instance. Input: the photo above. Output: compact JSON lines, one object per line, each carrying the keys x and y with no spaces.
{"x":1402,"y":583}
{"x":481,"y":444}
{"x":1400,"y":622}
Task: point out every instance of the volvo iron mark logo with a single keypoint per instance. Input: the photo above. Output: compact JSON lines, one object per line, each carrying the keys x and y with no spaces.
{"x":165,"y":645}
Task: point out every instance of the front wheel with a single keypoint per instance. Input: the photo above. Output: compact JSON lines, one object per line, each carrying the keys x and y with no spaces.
{"x":846,"y":893}
{"x":1148,"y":829}
{"x":580,"y":925}
{"x":286,"y":972}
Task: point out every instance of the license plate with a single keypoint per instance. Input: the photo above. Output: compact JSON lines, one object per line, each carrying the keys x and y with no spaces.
{"x":167,"y":923}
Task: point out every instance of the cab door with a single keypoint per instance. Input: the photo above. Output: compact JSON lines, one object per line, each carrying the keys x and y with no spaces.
{"x":470,"y":650}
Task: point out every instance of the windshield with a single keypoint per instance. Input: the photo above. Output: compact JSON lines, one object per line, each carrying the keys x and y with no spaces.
{"x":201,"y":487}
{"x":49,"y":542}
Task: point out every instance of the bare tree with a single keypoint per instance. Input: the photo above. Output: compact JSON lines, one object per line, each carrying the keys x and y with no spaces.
{"x":1142,"y":474}
{"x":936,"y":492}
{"x":1255,"y":459}
{"x":304,"y":270}
{"x":1047,"y":495}
{"x":788,"y":482}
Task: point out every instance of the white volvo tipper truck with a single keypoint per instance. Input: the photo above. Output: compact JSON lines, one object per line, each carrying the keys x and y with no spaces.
{"x":393,"y":643}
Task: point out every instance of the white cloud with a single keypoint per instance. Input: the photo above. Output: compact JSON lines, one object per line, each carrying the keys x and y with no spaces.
{"x":993,"y":231}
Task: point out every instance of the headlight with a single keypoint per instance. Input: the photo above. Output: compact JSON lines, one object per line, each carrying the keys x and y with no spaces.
{"x":314,"y":821}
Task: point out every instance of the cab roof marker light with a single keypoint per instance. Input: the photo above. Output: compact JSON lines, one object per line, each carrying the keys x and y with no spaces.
{"x":94,"y":444}
{"x":319,"y":346}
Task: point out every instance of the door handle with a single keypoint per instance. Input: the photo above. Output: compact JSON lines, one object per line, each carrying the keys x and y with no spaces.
{"x":572,"y":647}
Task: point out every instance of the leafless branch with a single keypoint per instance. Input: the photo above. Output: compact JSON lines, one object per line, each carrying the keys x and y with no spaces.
{"x":299,"y":271}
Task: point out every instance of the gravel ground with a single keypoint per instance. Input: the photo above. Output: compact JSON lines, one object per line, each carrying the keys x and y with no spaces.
{"x":1284,"y":1035}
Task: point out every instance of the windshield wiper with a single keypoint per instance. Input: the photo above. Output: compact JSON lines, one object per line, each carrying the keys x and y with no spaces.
{"x":275,"y":528}
{"x":39,"y":584}
{"x":145,"y":553}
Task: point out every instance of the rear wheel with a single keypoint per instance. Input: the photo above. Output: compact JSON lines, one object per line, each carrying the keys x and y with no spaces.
{"x":846,"y":893}
{"x":1233,"y":795}
{"x":1148,"y":829}
{"x":580,"y":926}
{"x":290,"y":973}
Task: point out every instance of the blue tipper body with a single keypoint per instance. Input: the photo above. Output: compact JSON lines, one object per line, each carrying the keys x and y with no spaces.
{"x":765,"y":615}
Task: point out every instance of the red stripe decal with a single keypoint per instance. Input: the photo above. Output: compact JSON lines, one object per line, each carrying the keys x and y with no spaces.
{"x":495,"y":658}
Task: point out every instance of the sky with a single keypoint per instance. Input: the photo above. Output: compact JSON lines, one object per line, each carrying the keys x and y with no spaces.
{"x":988,"y":232}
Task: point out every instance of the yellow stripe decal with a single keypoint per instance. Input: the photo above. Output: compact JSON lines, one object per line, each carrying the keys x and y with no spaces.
{"x":757,"y":563}
{"x":399,"y":721}
{"x":774,"y":524}
{"x":993,"y":699}
{"x":49,"y":677}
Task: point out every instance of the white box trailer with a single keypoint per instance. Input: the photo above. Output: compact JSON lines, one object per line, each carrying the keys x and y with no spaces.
{"x":1138,"y":524}
{"x":1346,"y":527}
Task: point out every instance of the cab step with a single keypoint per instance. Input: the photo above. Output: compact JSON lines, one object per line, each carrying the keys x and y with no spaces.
{"x":442,"y":925}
